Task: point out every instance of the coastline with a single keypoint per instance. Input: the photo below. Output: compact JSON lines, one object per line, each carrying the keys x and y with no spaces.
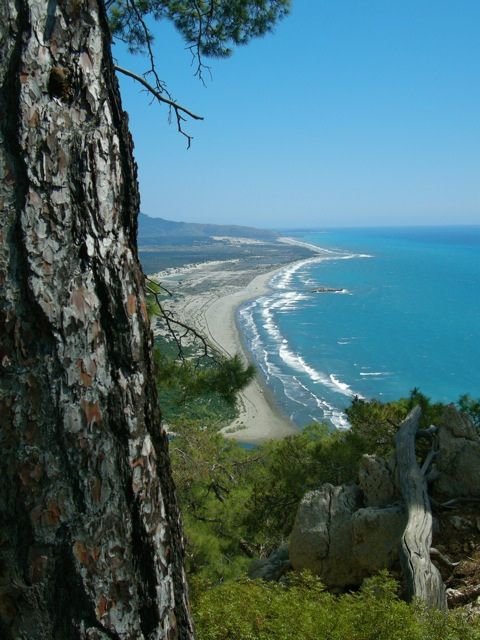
{"x":211,"y":309}
{"x":259,"y":419}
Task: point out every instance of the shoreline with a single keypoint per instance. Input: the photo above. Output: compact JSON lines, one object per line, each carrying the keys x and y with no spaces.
{"x":259,"y":417}
{"x":212,"y":311}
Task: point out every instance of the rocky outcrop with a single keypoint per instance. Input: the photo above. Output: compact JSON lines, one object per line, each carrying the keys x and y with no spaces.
{"x":458,"y":459}
{"x":376,"y":480}
{"x":337,"y":538}
{"x":346,"y":533}
{"x":376,"y":537}
{"x":322,"y":536}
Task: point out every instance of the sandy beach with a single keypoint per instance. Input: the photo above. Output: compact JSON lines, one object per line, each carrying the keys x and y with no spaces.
{"x":208,"y":296}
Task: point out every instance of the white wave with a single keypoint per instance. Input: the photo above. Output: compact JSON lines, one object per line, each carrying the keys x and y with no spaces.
{"x":297,"y":392}
{"x":296,"y":362}
{"x":287,"y":300}
{"x":283,"y":303}
{"x":294,"y":389}
{"x":283,"y":279}
{"x":334,"y":415}
{"x":307,"y":245}
{"x":352,"y":256}
{"x":375,"y":373}
{"x":340,"y":420}
{"x":267,"y":348}
{"x":342,"y":386}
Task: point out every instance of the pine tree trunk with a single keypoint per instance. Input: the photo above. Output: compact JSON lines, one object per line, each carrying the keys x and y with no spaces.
{"x":90,"y":541}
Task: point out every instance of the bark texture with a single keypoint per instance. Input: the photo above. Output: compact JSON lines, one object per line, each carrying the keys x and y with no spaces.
{"x":90,"y":541}
{"x":423,"y":578}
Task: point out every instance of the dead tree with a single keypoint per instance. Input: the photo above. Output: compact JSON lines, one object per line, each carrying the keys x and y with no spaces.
{"x":423,"y":578}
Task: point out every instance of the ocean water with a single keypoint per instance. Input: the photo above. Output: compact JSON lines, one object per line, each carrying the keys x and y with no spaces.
{"x":406,"y":314}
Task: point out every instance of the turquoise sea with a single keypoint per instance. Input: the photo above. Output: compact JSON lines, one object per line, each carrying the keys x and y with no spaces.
{"x":407,"y":315}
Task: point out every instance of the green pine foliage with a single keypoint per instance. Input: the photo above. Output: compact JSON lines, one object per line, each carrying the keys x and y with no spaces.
{"x":301,"y":609}
{"x":195,"y":388}
{"x":212,"y":26}
{"x":240,"y":503}
{"x":375,"y":423}
{"x":289,"y":468}
{"x":211,"y":474}
{"x":471,"y":407}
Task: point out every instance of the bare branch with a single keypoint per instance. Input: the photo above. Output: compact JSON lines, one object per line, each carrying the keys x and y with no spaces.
{"x":195,"y":48}
{"x":461,"y":499}
{"x":177,"y":108}
{"x":435,"y":553}
{"x":159,"y":84}
{"x":209,"y":351}
{"x":428,"y":461}
{"x":157,"y":94}
{"x":159,"y":284}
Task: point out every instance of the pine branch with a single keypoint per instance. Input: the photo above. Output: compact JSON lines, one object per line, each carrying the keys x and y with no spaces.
{"x":177,"y":108}
{"x":209,"y":350}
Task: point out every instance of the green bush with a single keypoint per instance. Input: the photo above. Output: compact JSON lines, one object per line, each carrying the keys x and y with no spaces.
{"x":303,"y":610}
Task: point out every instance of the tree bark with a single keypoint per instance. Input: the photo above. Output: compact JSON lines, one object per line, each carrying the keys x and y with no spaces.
{"x":90,"y":539}
{"x":423,"y":578}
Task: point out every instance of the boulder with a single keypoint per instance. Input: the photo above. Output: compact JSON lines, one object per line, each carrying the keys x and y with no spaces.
{"x":376,"y":479}
{"x":346,"y":533}
{"x":458,"y":458}
{"x":322,"y":536}
{"x":377,"y":533}
{"x":273,"y":567}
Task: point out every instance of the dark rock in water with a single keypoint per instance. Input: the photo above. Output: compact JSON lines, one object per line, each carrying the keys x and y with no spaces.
{"x":327,"y":290}
{"x":273,"y":567}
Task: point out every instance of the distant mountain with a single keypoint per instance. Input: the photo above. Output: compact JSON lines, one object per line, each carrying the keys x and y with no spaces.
{"x":155,"y":231}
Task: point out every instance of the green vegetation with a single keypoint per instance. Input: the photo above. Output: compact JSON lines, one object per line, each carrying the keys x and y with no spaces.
{"x":471,"y":407}
{"x":200,"y":391}
{"x":303,"y":610}
{"x":375,"y":423}
{"x":240,"y":503}
{"x":211,"y":26}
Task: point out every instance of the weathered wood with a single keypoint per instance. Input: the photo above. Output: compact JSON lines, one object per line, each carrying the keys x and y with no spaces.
{"x":90,"y":542}
{"x":423,"y":578}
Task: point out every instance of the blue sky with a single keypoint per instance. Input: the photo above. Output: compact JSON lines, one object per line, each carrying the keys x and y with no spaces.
{"x":353,"y":112}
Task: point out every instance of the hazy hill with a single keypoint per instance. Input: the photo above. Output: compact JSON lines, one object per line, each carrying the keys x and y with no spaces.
{"x":157,"y":231}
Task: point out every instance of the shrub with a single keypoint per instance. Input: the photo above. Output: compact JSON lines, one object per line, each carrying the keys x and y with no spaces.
{"x":303,"y":610}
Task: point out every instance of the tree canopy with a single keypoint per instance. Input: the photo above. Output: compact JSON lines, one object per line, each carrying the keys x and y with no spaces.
{"x":211,"y":27}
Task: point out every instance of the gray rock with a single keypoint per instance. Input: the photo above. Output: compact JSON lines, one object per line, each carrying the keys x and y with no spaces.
{"x":346,"y":533}
{"x":273,"y":567}
{"x":322,"y":535}
{"x":459,"y":424}
{"x":375,"y":478}
{"x":377,"y":533}
{"x":458,"y":459}
{"x":460,"y":523}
